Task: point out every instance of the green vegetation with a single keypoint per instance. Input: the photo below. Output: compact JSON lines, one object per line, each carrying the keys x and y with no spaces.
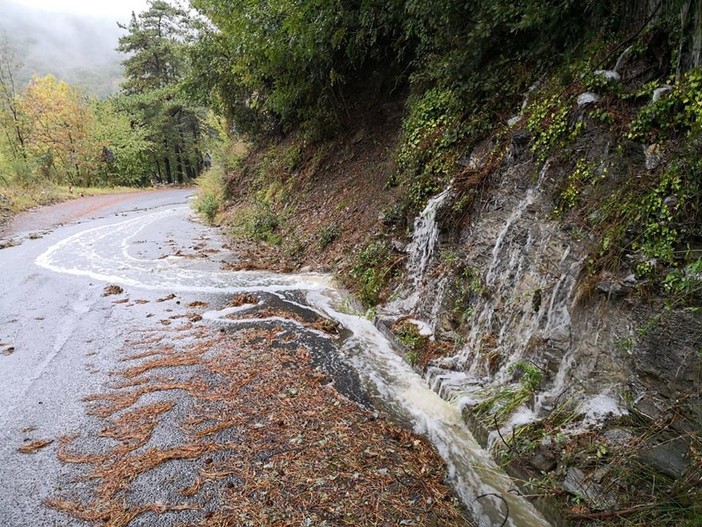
{"x":548,"y":122}
{"x":427,"y":155}
{"x":409,"y":336}
{"x":328,"y":235}
{"x":372,"y":271}
{"x":497,"y":407}
{"x":210,"y":194}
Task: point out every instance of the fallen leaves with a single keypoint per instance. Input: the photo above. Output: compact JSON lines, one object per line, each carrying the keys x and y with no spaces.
{"x":112,"y":290}
{"x":34,"y":446}
{"x":267,"y":440}
{"x":241,"y":300}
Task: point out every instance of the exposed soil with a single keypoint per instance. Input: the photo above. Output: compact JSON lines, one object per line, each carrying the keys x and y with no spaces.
{"x":339,"y":190}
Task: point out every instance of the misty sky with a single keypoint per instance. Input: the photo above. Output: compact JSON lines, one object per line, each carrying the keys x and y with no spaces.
{"x":74,"y":40}
{"x":118,"y":9}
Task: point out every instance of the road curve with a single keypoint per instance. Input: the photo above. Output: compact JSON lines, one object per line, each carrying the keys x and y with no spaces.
{"x":59,"y":339}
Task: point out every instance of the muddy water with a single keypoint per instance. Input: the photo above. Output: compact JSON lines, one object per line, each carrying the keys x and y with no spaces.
{"x":365,"y":366}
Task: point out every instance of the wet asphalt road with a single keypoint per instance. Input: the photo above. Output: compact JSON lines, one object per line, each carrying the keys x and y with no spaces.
{"x":59,"y":338}
{"x":63,"y":338}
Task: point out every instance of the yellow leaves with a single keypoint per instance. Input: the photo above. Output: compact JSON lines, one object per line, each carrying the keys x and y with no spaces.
{"x":60,"y":129}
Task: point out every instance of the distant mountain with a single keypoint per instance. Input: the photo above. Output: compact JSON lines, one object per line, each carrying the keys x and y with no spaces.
{"x":77,"y":49}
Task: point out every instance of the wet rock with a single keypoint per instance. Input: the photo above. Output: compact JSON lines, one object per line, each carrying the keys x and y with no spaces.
{"x":668,"y":458}
{"x":660,"y":92}
{"x":611,"y":289}
{"x":618,"y":437}
{"x":520,"y":137}
{"x":653,"y":156}
{"x":648,"y":408}
{"x":545,"y":457}
{"x":609,"y":75}
{"x":520,"y":144}
{"x":670,"y":201}
{"x":478,"y":156}
{"x":450,"y":336}
{"x":577,"y":483}
{"x":398,"y":246}
{"x":630,"y":279}
{"x":587,"y":98}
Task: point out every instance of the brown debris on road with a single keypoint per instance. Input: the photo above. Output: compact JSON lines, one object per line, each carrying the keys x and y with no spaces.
{"x":266,"y":441}
{"x":34,"y":446}
{"x":112,"y":290}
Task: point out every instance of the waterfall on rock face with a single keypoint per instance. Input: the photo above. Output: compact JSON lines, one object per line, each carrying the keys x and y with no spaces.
{"x":420,"y":252}
{"x":529,"y":272}
{"x":424,"y":238}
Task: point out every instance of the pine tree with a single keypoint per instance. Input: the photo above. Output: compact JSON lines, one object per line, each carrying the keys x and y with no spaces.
{"x":156,"y":43}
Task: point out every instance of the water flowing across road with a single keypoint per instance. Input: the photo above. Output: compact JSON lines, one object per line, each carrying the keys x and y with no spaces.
{"x":117,"y":252}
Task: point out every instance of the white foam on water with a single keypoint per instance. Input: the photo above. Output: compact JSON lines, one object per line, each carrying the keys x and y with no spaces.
{"x":424,"y":237}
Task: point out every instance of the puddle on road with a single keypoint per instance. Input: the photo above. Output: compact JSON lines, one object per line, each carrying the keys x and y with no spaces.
{"x":363,"y":363}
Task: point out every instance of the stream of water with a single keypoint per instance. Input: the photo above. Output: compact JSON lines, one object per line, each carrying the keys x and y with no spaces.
{"x":117,"y":253}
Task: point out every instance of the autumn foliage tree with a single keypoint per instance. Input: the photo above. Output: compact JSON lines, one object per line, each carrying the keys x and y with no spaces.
{"x":59,"y":131}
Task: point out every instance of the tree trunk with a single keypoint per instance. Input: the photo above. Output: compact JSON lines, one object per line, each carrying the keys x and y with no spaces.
{"x":167,"y":166}
{"x":167,"y":162}
{"x":179,"y":163}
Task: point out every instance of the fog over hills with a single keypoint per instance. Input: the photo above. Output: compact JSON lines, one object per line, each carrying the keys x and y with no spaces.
{"x":77,"y":48}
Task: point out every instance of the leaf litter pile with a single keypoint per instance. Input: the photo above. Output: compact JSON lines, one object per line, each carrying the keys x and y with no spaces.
{"x":238,"y":428}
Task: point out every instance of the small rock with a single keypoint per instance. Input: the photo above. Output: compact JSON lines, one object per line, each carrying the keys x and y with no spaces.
{"x":618,"y":437}
{"x":611,"y":289}
{"x":648,"y":408}
{"x":306,"y":269}
{"x":514,"y":121}
{"x":610,"y":75}
{"x":580,"y":485}
{"x":520,"y":137}
{"x":653,"y":156}
{"x":587,"y":98}
{"x":398,"y":246}
{"x":660,"y":92}
{"x":668,"y":457}
{"x":670,"y":201}
{"x":545,"y":457}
